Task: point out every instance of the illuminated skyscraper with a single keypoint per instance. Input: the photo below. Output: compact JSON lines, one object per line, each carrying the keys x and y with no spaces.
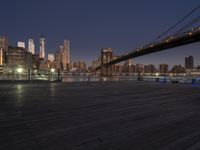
{"x":42,"y":47}
{"x":21,"y":44}
{"x":51,"y":57}
{"x":1,"y":56}
{"x":3,"y":49}
{"x":66,"y":54}
{"x":31,"y":46}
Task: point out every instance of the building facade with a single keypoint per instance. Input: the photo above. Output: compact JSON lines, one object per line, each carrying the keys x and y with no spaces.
{"x":65,"y":54}
{"x":3,"y":49}
{"x":51,"y":57}
{"x":149,"y":69}
{"x":189,"y":62}
{"x":164,"y":68}
{"x":139,"y":68}
{"x":80,"y":66}
{"x":31,"y":46}
{"x":42,"y":47}
{"x":21,"y":44}
{"x":62,"y":57}
{"x":18,"y":56}
{"x":178,"y":69}
{"x":128,"y":65}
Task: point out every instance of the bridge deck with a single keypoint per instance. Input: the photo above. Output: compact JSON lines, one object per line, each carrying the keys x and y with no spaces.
{"x":99,"y":116}
{"x":188,"y":37}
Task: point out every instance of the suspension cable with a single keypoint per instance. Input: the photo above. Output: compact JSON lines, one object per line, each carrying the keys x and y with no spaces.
{"x":175,"y":25}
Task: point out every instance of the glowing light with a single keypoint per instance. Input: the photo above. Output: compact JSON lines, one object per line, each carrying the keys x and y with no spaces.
{"x":19,"y":70}
{"x":52,"y":70}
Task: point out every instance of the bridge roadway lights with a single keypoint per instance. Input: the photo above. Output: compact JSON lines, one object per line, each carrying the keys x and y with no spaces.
{"x":188,"y":37}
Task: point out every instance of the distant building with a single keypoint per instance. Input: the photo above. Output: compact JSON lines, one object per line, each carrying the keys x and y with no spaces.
{"x":80,"y":66}
{"x":128,"y":66}
{"x":58,"y":61}
{"x":21,"y":44}
{"x":178,"y":69}
{"x":189,"y":62}
{"x":164,"y":68}
{"x":117,"y":69}
{"x":139,"y":68}
{"x":3,"y":49}
{"x":42,"y":47}
{"x":18,"y":56}
{"x":67,"y":51}
{"x":149,"y":69}
{"x":36,"y":61}
{"x":46,"y":65}
{"x":194,"y":72}
{"x":1,"y":57}
{"x":66,"y":55}
{"x":62,"y":57}
{"x":51,"y":57}
{"x":96,"y":63}
{"x":31,"y":46}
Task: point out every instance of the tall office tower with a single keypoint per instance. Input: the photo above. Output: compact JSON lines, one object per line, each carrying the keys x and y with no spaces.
{"x":42,"y":47}
{"x":31,"y":46}
{"x":66,"y":54}
{"x":1,"y":56}
{"x":164,"y":68}
{"x":51,"y":57}
{"x":3,"y":49}
{"x":21,"y":44}
{"x":189,"y":62}
{"x":128,"y":66}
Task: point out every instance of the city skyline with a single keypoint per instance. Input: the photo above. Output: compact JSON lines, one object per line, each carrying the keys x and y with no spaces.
{"x":91,"y":26}
{"x":26,"y":45}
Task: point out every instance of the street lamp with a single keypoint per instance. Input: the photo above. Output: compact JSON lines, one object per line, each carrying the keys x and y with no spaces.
{"x":157,"y":77}
{"x":52,"y":70}
{"x":19,"y":70}
{"x":51,"y":74}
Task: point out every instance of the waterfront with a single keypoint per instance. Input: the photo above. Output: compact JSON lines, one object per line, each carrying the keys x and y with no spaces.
{"x":177,"y":78}
{"x":99,"y":115}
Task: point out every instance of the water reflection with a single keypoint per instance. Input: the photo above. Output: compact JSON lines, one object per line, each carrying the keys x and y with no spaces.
{"x":19,"y":97}
{"x":52,"y":89}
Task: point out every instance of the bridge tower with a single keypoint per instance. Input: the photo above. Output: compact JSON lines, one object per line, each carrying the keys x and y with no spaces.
{"x":106,"y":56}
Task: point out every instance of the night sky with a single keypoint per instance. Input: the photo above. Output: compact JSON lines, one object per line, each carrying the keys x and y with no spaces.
{"x":94,"y":24}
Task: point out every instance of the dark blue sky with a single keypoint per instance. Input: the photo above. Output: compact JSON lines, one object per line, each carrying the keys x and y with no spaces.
{"x":93,"y":24}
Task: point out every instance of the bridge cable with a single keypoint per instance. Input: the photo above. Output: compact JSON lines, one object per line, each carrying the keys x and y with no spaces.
{"x":175,"y":25}
{"x":191,"y":23}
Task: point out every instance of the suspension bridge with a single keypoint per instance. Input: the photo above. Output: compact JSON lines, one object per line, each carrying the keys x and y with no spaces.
{"x":183,"y":36}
